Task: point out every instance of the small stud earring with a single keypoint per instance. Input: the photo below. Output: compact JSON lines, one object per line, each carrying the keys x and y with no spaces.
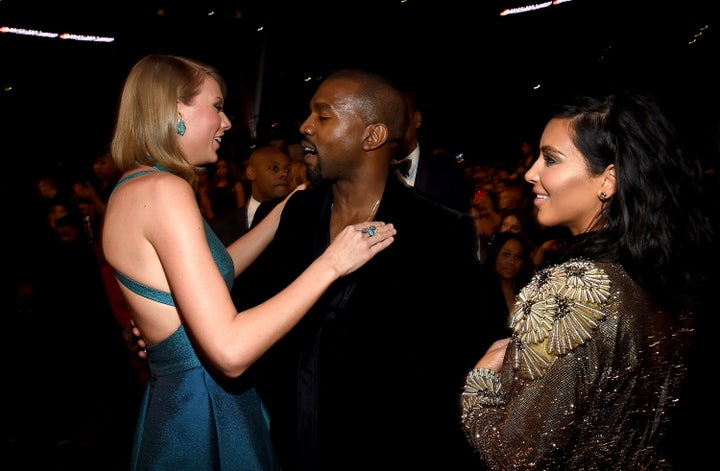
{"x":181,"y":128}
{"x":603,"y":196}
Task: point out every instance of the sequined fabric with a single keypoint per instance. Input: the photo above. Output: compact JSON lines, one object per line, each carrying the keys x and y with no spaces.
{"x":588,"y":379}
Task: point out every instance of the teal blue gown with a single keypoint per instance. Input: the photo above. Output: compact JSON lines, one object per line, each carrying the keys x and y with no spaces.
{"x":188,"y":419}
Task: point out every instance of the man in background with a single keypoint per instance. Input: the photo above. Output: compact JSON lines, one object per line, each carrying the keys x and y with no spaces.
{"x":267,"y":171}
{"x":430,"y":169}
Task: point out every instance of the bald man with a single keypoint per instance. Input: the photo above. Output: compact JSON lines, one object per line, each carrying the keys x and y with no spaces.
{"x":267,"y":170}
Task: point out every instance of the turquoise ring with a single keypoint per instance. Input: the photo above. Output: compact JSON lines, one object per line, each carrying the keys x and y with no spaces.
{"x":370,"y":231}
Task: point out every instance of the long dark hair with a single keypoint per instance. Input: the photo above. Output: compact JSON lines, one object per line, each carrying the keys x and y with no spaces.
{"x":654,"y":224}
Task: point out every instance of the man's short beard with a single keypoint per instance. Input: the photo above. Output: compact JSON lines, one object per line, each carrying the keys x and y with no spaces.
{"x":314,"y":175}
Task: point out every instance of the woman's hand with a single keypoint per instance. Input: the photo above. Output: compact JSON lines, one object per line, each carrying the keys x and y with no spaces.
{"x":279,"y":207}
{"x":134,"y":340}
{"x":358,"y":243}
{"x":300,"y":187}
{"x":493,"y":358}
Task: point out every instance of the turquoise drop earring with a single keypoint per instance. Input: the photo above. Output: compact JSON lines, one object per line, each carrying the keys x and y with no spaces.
{"x":181,"y":127}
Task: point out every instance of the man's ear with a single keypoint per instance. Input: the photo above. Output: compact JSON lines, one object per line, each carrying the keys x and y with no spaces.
{"x":376,"y":135}
{"x":416,"y":119}
{"x":250,"y":172}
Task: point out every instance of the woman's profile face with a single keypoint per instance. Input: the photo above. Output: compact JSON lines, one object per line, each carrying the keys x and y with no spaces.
{"x":206,"y":124}
{"x":566,"y":194}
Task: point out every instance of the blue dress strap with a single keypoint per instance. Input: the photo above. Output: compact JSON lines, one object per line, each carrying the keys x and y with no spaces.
{"x":134,"y":286}
{"x":130,"y":177}
{"x":220,"y":254}
{"x":144,"y":290}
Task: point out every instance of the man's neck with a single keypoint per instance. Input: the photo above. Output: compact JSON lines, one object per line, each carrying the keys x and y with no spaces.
{"x":354,"y":204}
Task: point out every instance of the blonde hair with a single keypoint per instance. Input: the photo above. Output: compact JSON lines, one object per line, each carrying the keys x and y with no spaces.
{"x":146,"y":126}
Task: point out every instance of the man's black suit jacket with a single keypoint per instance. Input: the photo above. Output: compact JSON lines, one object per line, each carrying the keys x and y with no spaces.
{"x":371,"y":377}
{"x":231,"y":227}
{"x":232,"y":224}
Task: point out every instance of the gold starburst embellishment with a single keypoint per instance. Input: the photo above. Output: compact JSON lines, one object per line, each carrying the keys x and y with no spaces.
{"x":558,"y":310}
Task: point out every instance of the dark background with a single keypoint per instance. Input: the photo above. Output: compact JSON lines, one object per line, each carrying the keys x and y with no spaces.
{"x":474,"y":71}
